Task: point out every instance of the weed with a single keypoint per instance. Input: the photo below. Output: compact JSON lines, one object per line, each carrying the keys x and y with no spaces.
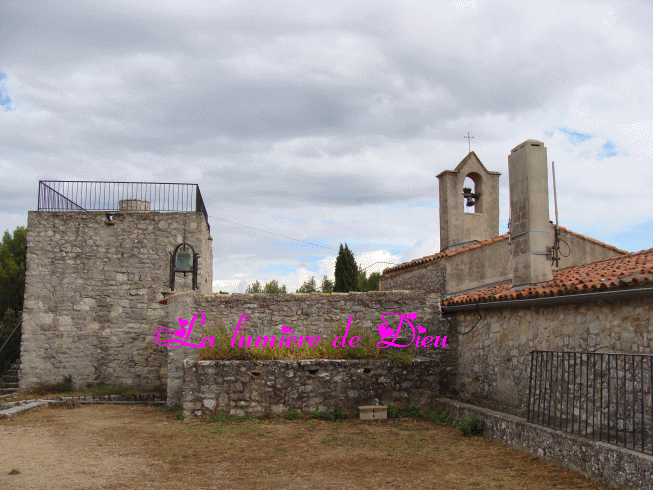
{"x":66,"y":386}
{"x":338,"y":414}
{"x":180,"y":415}
{"x":320,"y":415}
{"x":166,"y":408}
{"x":14,"y":471}
{"x":442,"y":417}
{"x":469,"y":426}
{"x":365,"y":349}
{"x":395,"y":413}
{"x":292,"y":415}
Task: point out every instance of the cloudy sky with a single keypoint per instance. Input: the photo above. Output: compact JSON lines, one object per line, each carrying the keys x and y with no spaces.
{"x":326,"y":122}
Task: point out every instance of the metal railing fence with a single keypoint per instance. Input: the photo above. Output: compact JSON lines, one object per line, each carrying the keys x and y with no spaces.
{"x":58,"y":195}
{"x":608,"y":397}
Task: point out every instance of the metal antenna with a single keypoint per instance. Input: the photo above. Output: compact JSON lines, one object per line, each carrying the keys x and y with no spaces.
{"x":556,"y":246}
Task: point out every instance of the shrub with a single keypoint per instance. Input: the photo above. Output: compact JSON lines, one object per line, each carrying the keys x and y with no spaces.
{"x":320,"y":415}
{"x":338,"y":414}
{"x":398,"y":412}
{"x":292,"y":415}
{"x":442,"y":417}
{"x":469,"y":426}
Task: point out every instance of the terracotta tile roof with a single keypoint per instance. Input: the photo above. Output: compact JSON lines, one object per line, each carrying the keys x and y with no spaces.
{"x":633,"y":269}
{"x":434,"y":257}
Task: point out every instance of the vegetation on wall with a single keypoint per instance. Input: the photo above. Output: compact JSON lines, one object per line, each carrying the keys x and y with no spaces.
{"x":365,"y":349}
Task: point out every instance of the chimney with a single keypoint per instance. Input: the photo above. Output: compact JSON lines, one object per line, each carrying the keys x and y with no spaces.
{"x":530,"y":230}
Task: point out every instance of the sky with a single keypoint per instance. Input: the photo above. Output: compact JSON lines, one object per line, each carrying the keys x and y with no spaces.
{"x":311,"y":124}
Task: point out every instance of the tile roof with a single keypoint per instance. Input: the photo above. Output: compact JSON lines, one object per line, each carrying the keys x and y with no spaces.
{"x":431,"y":258}
{"x":434,"y":257}
{"x":633,"y":269}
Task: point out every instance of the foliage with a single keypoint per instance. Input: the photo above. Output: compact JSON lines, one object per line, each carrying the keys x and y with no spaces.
{"x":308,"y":286}
{"x":368,"y":283}
{"x":337,"y":413}
{"x":400,"y":412}
{"x":65,"y":386}
{"x":442,"y":417}
{"x":223,"y":292}
{"x":346,"y":271}
{"x":12,"y":279}
{"x":254,"y":287}
{"x":327,"y":285}
{"x":271,"y":287}
{"x":320,"y":415}
{"x":365,"y":349}
{"x":469,"y":426}
{"x":373,"y":281}
{"x":292,"y":415}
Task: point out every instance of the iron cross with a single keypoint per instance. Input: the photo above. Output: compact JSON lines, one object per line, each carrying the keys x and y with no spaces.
{"x":469,"y":141}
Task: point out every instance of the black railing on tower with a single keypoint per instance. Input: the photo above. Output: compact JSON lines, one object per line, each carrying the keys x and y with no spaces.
{"x":59,"y":195}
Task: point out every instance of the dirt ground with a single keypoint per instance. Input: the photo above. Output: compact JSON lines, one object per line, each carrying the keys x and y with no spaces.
{"x":139,"y":447}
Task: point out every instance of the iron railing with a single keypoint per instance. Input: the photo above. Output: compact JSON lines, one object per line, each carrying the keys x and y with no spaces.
{"x":57,"y":195}
{"x":608,"y":397}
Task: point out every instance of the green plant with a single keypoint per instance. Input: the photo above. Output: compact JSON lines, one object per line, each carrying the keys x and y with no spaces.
{"x":320,"y":415}
{"x":442,"y":417}
{"x":469,"y":426}
{"x":398,"y":412}
{"x":337,"y":413}
{"x":180,"y":415}
{"x":292,"y":415}
{"x":14,"y":471}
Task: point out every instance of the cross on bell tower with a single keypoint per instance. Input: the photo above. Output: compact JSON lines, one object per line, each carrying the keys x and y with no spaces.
{"x":469,"y":142}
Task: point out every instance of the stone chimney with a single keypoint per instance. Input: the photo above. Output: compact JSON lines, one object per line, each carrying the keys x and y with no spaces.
{"x":530,"y":230}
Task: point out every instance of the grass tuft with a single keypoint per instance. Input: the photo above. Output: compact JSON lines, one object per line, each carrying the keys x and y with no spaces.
{"x":469,"y":426}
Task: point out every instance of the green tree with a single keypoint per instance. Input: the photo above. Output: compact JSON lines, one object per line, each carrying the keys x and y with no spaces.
{"x":346,"y":271}
{"x":373,"y":281}
{"x":254,"y":287}
{"x":272,"y":287}
{"x":12,"y":271}
{"x":308,"y":286}
{"x":327,"y":285}
{"x":362,"y":279}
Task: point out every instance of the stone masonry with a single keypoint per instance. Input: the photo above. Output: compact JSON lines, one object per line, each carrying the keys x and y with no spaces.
{"x":92,"y":293}
{"x":314,"y":314}
{"x":245,"y":387}
{"x":494,"y":359}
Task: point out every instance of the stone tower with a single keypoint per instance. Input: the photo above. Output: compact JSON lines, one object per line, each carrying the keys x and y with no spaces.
{"x":98,"y":263}
{"x":530,"y":230}
{"x":457,"y":227}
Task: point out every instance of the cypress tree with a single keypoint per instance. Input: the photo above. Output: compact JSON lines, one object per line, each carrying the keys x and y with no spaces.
{"x":346,"y":271}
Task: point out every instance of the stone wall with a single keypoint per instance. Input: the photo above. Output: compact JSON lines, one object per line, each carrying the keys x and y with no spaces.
{"x":244,"y":387}
{"x":426,"y":277}
{"x":494,"y":359}
{"x":611,"y":465}
{"x":92,"y":294}
{"x":314,"y":314}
